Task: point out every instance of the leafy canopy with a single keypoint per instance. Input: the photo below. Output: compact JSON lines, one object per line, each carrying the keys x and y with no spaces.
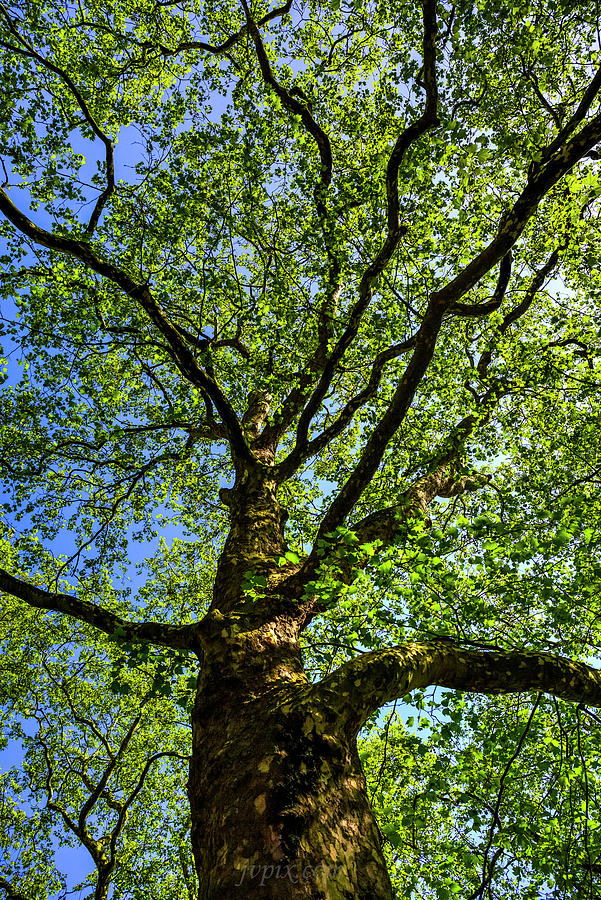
{"x":210,"y":205}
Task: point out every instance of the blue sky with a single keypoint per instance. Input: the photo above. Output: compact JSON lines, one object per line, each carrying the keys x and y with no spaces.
{"x":74,"y":862}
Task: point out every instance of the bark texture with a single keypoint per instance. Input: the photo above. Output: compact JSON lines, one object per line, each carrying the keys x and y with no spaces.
{"x":279,"y":807}
{"x":278,"y":800}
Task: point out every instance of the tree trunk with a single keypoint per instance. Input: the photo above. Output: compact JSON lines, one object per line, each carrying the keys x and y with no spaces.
{"x":278,"y":799}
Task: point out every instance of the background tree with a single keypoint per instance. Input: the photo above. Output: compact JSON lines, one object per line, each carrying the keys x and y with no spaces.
{"x":313,"y":289}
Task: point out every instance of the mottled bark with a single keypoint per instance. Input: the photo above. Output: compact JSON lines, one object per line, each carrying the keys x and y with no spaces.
{"x":277,"y":795}
{"x":278,"y":800}
{"x":255,"y":540}
{"x":367,"y":682}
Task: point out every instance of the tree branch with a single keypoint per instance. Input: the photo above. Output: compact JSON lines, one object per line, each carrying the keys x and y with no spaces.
{"x":288,"y":466}
{"x":220,"y":49}
{"x":138,"y":787}
{"x":364,"y":684}
{"x":428,"y":120}
{"x":510,"y":228}
{"x":27,"y":50}
{"x":489,"y":867}
{"x":384,"y":524}
{"x":522,"y":308}
{"x":293,"y":403}
{"x":100,"y":786}
{"x":395,"y":231}
{"x":166,"y":52}
{"x":531,"y":75}
{"x":440,"y":480}
{"x":179,"y":350}
{"x":484,"y":309}
{"x":177,"y":636}
{"x":324,"y":330}
{"x":11,"y":892}
{"x":297,"y":108}
{"x":512,"y":223}
{"x":575,"y":120}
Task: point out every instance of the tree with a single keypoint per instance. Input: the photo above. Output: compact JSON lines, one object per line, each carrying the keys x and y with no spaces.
{"x":313,"y":289}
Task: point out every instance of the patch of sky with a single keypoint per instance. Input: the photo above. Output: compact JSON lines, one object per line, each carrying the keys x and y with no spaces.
{"x":73,"y":861}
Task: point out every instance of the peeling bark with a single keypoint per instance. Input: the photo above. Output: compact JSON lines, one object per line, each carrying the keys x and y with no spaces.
{"x":278,"y":802}
{"x":278,"y":799}
{"x":369,"y":681}
{"x":255,"y":540}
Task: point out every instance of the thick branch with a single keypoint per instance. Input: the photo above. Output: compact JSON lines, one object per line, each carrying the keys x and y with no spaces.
{"x":485,"y":309}
{"x":511,"y":227}
{"x":513,"y":222}
{"x":395,"y":231}
{"x":390,"y":421}
{"x":257,"y":411}
{"x":367,"y":682}
{"x":181,"y":636}
{"x":181,"y":354}
{"x":384,"y":524}
{"x":440,"y":480}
